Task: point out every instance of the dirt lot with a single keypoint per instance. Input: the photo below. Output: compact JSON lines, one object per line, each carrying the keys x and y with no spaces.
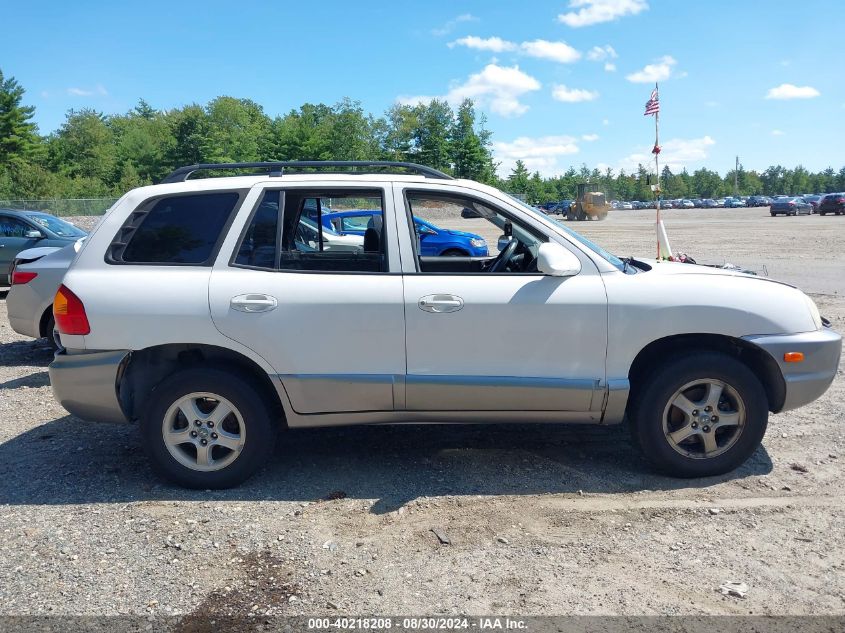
{"x":541,"y":519}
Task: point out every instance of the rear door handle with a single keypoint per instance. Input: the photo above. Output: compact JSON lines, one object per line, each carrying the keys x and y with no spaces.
{"x":441,"y":303}
{"x":254,"y":303}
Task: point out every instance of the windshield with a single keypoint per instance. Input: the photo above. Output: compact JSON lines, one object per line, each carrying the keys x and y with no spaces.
{"x":598,"y":250}
{"x":57,"y":226}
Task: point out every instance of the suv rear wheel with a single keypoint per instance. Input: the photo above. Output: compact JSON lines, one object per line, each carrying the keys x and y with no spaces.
{"x":701,"y":415}
{"x":207,"y":428}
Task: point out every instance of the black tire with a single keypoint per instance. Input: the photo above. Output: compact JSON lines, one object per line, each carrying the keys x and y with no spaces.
{"x":648,"y":405}
{"x":454,"y":252}
{"x":822,"y":213}
{"x":48,"y":330}
{"x":260,"y":427}
{"x":774,"y":214}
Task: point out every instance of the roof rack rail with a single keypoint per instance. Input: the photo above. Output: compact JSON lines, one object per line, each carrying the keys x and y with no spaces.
{"x":276,"y":169}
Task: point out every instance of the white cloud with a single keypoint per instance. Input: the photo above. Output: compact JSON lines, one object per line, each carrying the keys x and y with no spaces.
{"x":496,"y":87}
{"x":711,"y":104}
{"x":790,"y":91}
{"x":573,"y":95}
{"x":677,"y":153}
{"x":539,"y":154}
{"x":83,"y":92}
{"x":494,"y":44}
{"x":601,"y":53}
{"x":590,"y":137}
{"x":556,"y":51}
{"x":588,"y":12}
{"x":605,"y":121}
{"x":543,"y":49}
{"x":452,"y":24}
{"x":777,"y":132}
{"x":610,"y":67}
{"x":660,"y":70}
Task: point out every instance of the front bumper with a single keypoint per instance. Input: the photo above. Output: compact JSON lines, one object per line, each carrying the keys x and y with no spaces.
{"x":86,"y":384}
{"x":807,"y":380}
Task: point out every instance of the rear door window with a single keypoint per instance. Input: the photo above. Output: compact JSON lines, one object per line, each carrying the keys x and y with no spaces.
{"x":306,"y":230}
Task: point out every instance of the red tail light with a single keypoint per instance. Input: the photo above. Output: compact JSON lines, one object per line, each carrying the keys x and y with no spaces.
{"x":70,"y":313}
{"x":22,"y":277}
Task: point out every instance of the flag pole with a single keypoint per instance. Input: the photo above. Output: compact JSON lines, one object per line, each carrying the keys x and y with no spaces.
{"x":657,"y":171}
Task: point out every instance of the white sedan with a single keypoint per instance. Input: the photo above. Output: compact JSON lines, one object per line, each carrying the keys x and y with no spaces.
{"x":36,"y":276}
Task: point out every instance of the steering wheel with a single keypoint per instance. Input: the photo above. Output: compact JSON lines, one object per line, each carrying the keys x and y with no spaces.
{"x":503,"y":258}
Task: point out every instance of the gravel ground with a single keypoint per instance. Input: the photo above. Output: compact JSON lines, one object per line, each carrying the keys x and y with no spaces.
{"x":540,"y":519}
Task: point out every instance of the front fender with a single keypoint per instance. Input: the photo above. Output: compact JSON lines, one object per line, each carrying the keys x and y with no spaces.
{"x":644,"y":308}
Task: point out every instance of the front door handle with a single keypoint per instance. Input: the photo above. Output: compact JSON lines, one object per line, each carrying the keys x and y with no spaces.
{"x":254,"y":303}
{"x":441,"y":303}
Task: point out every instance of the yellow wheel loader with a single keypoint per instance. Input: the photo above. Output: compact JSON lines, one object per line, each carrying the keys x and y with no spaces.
{"x":588,"y":205}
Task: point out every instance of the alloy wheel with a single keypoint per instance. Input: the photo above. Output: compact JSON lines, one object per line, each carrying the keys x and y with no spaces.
{"x":704,"y":418}
{"x":203,"y":431}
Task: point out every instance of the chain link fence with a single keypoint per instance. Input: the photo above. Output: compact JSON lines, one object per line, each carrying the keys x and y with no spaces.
{"x":62,"y":207}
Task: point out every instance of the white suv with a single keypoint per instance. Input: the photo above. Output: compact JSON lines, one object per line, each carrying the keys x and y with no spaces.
{"x":206,"y":310}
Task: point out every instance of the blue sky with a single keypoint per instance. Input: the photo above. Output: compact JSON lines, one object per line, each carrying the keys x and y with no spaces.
{"x":562,"y":83}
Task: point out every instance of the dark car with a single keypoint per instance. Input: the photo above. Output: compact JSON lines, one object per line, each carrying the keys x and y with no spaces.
{"x":813,"y":200}
{"x":790,"y":205}
{"x":733,"y":203}
{"x":20,"y":230}
{"x":758,"y":201}
{"x":832,"y":203}
{"x":561,"y":208}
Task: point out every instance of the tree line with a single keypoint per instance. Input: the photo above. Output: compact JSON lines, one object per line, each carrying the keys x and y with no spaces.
{"x":702,"y":183}
{"x":93,"y":154}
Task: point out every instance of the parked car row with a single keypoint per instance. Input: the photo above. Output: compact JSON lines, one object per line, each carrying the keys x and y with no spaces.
{"x":730,"y":202}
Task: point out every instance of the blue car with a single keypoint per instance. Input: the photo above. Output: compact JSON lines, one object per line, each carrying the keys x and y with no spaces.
{"x":433,"y":239}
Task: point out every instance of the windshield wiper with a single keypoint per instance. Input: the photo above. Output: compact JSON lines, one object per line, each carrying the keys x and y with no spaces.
{"x":628,"y":264}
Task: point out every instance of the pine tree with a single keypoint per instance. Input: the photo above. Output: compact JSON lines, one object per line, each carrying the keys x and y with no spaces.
{"x":518,"y":179}
{"x":432,"y":135}
{"x":468,"y":153}
{"x":19,"y":138}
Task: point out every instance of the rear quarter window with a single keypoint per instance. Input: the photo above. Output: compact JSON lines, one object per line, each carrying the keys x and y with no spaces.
{"x":175,"y":230}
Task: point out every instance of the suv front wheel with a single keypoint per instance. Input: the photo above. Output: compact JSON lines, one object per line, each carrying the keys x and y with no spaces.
{"x":700,"y":415}
{"x":207,"y":428}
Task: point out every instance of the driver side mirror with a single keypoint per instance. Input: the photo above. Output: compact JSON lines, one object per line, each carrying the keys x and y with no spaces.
{"x":557,"y":261}
{"x":34,"y":234}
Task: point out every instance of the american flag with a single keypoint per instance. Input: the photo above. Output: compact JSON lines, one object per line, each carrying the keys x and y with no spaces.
{"x":652,"y":106}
